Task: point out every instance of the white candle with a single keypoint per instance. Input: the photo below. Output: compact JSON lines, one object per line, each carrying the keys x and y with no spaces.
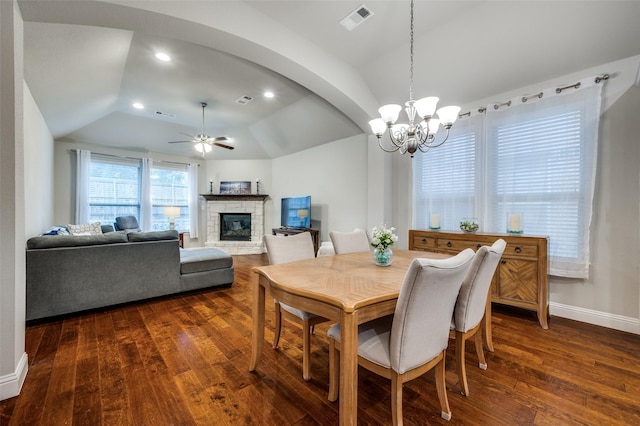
{"x":514,"y":223}
{"x":434,"y":222}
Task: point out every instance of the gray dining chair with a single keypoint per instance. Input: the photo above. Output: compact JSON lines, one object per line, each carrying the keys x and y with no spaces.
{"x":414,"y":339}
{"x":470,"y":310}
{"x":350,"y":242}
{"x":290,"y":249}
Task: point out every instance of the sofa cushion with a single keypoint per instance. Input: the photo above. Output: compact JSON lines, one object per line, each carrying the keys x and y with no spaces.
{"x":152,"y":236}
{"x":203,"y":259}
{"x":52,"y":241}
{"x":85,"y":229}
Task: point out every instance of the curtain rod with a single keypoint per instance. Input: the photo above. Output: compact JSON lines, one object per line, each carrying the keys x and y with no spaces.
{"x":137,"y":158}
{"x":598,"y":79}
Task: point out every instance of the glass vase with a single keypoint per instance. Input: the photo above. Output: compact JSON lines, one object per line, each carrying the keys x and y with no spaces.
{"x":383,"y":257}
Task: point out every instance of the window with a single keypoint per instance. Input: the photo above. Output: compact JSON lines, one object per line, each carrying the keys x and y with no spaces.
{"x":169,"y":187}
{"x":114,"y":189}
{"x":445,"y":182}
{"x":534,"y":158}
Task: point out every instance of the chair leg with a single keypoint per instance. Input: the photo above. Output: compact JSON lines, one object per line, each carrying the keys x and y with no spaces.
{"x":486,"y":326}
{"x":441,"y":387}
{"x":334,"y":370}
{"x":482,"y":362}
{"x":460,"y":363}
{"x":396,"y":399}
{"x":306,"y":350}
{"x":276,"y":335}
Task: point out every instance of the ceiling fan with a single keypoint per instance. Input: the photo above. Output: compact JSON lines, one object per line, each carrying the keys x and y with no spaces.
{"x":205,"y":142}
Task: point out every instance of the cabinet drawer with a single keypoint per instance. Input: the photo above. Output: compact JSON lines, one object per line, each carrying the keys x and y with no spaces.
{"x":520,"y":250}
{"x":457,"y":245}
{"x":424,"y":243}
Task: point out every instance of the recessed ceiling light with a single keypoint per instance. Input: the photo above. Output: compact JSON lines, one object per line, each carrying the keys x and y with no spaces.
{"x":163,"y":57}
{"x":268,"y":94}
{"x":138,"y":105}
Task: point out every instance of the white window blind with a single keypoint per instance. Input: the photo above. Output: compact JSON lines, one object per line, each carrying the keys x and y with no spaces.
{"x":445,"y":179}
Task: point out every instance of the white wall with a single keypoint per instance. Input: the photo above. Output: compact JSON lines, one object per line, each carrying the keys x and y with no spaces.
{"x":13,"y":357}
{"x":38,"y":159}
{"x":334,"y":175}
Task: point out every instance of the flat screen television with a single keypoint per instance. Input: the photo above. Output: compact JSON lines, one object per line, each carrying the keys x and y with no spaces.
{"x":296,"y":212}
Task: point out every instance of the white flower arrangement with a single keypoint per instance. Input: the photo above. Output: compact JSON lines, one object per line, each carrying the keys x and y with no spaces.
{"x":382,"y":238}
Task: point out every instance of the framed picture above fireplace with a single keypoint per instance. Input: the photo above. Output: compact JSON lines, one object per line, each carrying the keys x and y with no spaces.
{"x":235,"y":187}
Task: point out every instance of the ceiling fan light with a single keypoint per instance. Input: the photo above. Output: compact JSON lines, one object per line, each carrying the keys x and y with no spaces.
{"x":202,"y":147}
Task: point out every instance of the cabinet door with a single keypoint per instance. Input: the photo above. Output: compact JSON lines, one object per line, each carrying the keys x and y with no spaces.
{"x":517,"y":281}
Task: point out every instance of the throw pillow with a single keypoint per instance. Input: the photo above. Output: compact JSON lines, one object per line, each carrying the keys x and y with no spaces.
{"x":85,"y":229}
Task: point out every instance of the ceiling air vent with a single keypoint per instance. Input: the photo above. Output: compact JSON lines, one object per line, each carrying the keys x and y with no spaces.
{"x":356,"y":17}
{"x":244,"y":100}
{"x":165,"y":114}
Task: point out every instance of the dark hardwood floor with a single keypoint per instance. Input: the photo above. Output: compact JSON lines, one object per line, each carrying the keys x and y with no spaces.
{"x":184,"y":360}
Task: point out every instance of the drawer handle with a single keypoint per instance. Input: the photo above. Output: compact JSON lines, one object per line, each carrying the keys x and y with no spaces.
{"x":518,"y":250}
{"x":504,"y":262}
{"x":424,"y":241}
{"x":478,"y":246}
{"x":449,"y":244}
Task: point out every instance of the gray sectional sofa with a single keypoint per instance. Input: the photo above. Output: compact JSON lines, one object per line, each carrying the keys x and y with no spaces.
{"x":68,"y":273}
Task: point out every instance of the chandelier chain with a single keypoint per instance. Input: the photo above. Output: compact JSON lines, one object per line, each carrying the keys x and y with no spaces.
{"x":411,"y":56}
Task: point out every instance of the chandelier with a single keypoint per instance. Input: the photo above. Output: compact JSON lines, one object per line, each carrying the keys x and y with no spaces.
{"x":412,"y":137}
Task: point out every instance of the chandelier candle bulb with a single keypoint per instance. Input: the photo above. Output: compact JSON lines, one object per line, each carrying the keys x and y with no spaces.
{"x":515,"y":224}
{"x":434,"y":222}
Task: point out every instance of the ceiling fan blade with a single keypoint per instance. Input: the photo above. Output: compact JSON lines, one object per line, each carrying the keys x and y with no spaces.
{"x":180,"y":141}
{"x":186,"y":134}
{"x":222,"y":145}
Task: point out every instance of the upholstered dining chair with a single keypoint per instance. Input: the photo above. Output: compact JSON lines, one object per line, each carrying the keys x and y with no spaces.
{"x":349,"y":242}
{"x":470,"y":309}
{"x":414,"y":339}
{"x":290,"y":249}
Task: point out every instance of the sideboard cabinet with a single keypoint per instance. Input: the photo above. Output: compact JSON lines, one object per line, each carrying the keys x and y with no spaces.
{"x":521,"y":278}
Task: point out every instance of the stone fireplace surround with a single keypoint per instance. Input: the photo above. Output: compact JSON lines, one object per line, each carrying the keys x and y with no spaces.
{"x":231,"y":203}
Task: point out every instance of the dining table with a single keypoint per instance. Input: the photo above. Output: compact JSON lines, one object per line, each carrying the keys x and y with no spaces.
{"x":348,"y":289}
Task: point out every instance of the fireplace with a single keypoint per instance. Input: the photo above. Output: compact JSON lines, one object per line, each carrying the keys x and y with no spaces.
{"x":235,"y":227}
{"x":235,"y":223}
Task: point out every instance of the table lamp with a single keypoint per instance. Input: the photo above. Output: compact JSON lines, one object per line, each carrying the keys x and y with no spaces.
{"x":172,"y":213}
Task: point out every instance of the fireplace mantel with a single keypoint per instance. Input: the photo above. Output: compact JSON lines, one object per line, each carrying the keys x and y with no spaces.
{"x":234,"y":197}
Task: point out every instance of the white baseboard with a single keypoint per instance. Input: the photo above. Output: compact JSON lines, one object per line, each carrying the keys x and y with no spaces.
{"x":604,"y":319}
{"x":11,"y":384}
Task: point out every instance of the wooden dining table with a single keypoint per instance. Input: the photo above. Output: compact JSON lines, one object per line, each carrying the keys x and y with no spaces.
{"x":349,"y":289}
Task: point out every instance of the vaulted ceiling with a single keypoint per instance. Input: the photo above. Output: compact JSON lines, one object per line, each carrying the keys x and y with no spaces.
{"x":87,"y":62}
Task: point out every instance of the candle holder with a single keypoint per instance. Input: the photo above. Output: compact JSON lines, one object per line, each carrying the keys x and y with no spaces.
{"x":210,"y":187}
{"x":434,"y":222}
{"x":258,"y":187}
{"x":514,"y":223}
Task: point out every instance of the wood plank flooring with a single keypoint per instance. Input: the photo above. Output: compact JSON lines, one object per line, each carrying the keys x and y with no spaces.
{"x":183,"y":360}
